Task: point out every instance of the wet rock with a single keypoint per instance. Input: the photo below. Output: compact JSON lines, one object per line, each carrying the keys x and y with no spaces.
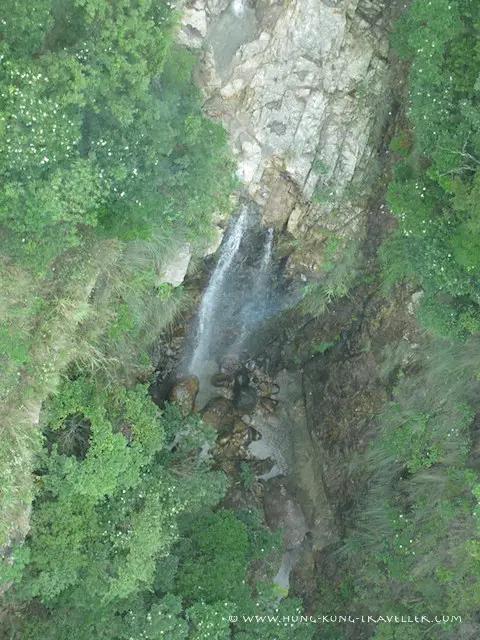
{"x":261,"y":467}
{"x":246,"y":399}
{"x":230,"y":363}
{"x":258,"y":379}
{"x":244,"y":395}
{"x":226,"y":451}
{"x":222,"y":380}
{"x":166,"y":355}
{"x":282,"y":510}
{"x":240,"y":427}
{"x":185,"y":392}
{"x":253,"y":434}
{"x":263,"y":386}
{"x":225,"y":392}
{"x":220,"y":414}
{"x":161,"y":388}
{"x":269,"y":405}
{"x":238,"y":440}
{"x":275,"y":389}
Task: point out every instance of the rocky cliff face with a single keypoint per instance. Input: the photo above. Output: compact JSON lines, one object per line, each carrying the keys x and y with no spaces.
{"x":298,"y":84}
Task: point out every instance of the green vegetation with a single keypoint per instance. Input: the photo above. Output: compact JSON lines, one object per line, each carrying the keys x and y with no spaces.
{"x":108,"y":165}
{"x":323,"y":346}
{"x":102,"y":129}
{"x":248,"y":476}
{"x":435,"y":190}
{"x":411,"y":546}
{"x":123,"y":541}
{"x":337,"y":277}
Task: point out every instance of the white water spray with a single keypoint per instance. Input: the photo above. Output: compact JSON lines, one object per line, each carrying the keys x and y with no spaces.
{"x":238,"y":7}
{"x":254,"y":311}
{"x":206,"y":312}
{"x":267,"y":253}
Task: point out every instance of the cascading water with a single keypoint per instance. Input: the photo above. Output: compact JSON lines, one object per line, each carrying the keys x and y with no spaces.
{"x":267,"y":253}
{"x":256,"y":309}
{"x":238,"y":7}
{"x":213,"y":293}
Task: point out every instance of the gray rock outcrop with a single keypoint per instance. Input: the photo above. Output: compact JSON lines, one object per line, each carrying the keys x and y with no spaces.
{"x":298,"y":85}
{"x":175,"y":269}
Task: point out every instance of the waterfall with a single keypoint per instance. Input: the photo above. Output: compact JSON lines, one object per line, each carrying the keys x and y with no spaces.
{"x":212,"y":295}
{"x":267,"y":253}
{"x":238,"y":7}
{"x":255,"y":310}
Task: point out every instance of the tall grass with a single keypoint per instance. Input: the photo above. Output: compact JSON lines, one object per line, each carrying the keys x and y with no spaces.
{"x":65,"y":321}
{"x":412,"y":539}
{"x":334,"y":284}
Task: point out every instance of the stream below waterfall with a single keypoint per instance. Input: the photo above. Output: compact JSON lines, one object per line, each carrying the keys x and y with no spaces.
{"x":246,"y":289}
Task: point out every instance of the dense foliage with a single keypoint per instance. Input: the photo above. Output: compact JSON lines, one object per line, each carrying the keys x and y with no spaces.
{"x":101,"y":127}
{"x":412,"y":548}
{"x":108,"y":164}
{"x":412,"y":543}
{"x":107,"y":167}
{"x":123,"y":542}
{"x":423,"y":505}
{"x":436,"y":186}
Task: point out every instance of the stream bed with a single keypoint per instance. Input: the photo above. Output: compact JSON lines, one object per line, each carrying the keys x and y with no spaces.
{"x":259,"y":416}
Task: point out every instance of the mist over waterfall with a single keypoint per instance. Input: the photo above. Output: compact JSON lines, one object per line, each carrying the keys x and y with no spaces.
{"x":213,"y":292}
{"x":245,"y":289}
{"x":256,"y":309}
{"x":267,"y":254}
{"x":238,"y":7}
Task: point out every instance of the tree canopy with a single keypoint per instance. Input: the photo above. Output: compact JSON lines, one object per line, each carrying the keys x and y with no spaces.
{"x":435,"y":189}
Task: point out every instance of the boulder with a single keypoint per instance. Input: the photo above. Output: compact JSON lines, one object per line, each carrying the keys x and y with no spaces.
{"x":184,"y":393}
{"x":222,"y":380}
{"x":244,"y":395}
{"x":220,"y":414}
{"x":246,"y":399}
{"x":230,"y":363}
{"x":217,"y":237}
{"x":175,"y":269}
